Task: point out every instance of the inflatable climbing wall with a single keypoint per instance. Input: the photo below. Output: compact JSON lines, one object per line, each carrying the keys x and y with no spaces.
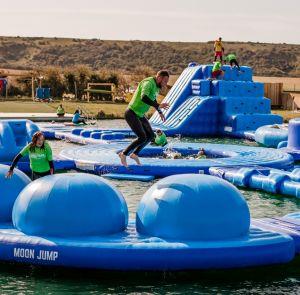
{"x":231,"y":106}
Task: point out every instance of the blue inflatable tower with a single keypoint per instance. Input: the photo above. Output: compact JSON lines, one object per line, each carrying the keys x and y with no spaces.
{"x":232,"y":106}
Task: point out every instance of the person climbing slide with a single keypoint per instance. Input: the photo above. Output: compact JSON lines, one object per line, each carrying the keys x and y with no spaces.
{"x":40,"y":157}
{"x":219,"y":49}
{"x":160,"y":138}
{"x":217,"y":73}
{"x":231,"y":58}
{"x":143,"y":98}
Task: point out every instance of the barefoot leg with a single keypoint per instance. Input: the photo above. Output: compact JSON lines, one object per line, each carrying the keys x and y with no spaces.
{"x":123,"y":159}
{"x":135,"y":158}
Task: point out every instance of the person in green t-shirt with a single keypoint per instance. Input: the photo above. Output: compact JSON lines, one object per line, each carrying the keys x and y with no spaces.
{"x":40,"y":157}
{"x":160,"y":138}
{"x":216,"y":72}
{"x":60,"y":111}
{"x":143,"y":98}
{"x":231,"y":58}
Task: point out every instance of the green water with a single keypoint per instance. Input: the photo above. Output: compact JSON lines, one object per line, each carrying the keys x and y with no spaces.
{"x":267,"y":280}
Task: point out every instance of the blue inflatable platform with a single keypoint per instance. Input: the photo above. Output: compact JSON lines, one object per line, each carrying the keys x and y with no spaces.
{"x":289,"y":224}
{"x":104,"y":159}
{"x":81,"y":220}
{"x":271,"y":135}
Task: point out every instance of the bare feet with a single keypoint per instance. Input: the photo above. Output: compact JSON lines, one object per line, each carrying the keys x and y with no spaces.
{"x":123,"y":159}
{"x":135,"y":158}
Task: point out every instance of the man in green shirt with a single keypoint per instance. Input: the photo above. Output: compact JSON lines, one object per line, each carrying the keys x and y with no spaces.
{"x":231,"y":58}
{"x":143,"y":98}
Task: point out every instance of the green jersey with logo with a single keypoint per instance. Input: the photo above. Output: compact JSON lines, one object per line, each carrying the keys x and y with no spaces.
{"x":39,"y":158}
{"x":146,"y":87}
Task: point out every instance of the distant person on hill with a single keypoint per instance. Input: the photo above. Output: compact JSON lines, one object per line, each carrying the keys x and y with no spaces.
{"x":231,"y":58}
{"x":216,"y":72}
{"x":40,"y":157}
{"x":77,"y":119}
{"x":143,"y":98}
{"x":219,"y":49}
{"x":60,"y":111}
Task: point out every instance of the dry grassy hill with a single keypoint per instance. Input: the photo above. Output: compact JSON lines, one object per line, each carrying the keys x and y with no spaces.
{"x":29,"y":53}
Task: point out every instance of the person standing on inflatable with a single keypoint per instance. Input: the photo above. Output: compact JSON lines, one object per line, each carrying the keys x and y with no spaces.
{"x":219,"y":49}
{"x":143,"y":98}
{"x":40,"y":156}
{"x":217,"y":72}
{"x":231,"y":58}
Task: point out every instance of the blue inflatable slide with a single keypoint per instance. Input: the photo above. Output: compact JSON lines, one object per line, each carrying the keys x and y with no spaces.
{"x":233,"y":106}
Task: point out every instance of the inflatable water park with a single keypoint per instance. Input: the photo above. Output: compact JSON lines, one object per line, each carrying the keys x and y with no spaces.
{"x":192,"y":217}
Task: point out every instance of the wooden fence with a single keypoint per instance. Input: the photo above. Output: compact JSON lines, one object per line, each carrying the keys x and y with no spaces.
{"x":274,"y":92}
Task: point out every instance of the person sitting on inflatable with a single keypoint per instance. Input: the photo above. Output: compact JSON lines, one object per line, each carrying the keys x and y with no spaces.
{"x":216,"y":70}
{"x":201,"y":154}
{"x":60,"y":111}
{"x":77,"y":119}
{"x":219,"y":49}
{"x":40,"y":156}
{"x":160,"y":138}
{"x":231,"y":58}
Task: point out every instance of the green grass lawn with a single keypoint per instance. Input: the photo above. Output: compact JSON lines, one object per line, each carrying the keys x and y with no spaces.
{"x":115,"y":109}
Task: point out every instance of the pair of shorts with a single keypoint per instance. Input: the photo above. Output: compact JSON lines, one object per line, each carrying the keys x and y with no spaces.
{"x":218,"y":53}
{"x":37,"y":175}
{"x":216,"y":74}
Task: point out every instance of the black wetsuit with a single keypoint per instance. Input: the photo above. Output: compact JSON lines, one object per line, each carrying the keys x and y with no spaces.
{"x":141,"y":127}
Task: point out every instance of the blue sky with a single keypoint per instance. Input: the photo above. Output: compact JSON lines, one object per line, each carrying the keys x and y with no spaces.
{"x":170,"y":20}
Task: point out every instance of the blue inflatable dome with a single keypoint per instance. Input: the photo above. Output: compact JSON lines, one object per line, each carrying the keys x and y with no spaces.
{"x":10,"y":189}
{"x":65,"y":205}
{"x":193,"y":207}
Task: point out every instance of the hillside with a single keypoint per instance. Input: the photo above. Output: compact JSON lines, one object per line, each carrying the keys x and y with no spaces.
{"x":30,"y":53}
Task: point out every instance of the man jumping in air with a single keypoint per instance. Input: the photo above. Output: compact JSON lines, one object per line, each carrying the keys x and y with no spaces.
{"x":143,"y":98}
